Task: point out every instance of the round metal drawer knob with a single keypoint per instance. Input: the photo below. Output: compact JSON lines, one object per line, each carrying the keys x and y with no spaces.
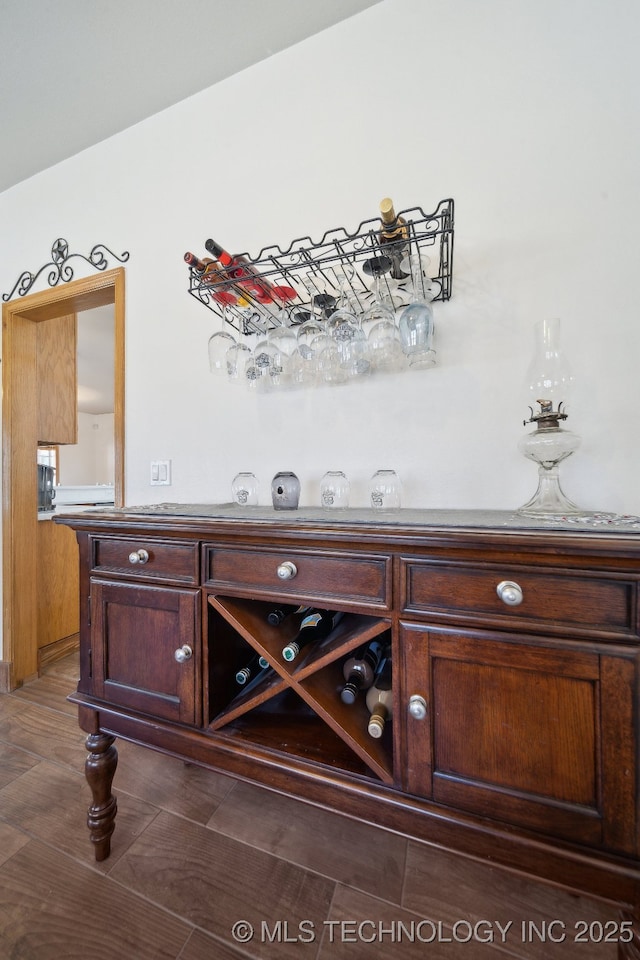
{"x":184,"y":653}
{"x":510,"y":593}
{"x":287,"y":570}
{"x":417,"y":707}
{"x":138,"y":556}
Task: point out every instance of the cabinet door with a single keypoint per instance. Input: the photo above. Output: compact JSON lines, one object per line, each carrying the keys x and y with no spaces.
{"x":541,"y":736}
{"x":57,"y":380}
{"x":135,"y":633}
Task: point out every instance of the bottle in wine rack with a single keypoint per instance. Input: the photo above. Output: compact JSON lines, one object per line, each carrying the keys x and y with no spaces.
{"x":380,"y":699}
{"x":394,"y":234}
{"x":317,"y":625}
{"x":281,"y":612}
{"x":207,"y":269}
{"x":255,"y":665}
{"x":243,"y":272}
{"x":360,"y":670}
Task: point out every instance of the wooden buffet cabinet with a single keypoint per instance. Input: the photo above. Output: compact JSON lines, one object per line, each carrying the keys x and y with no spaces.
{"x":515,"y":651}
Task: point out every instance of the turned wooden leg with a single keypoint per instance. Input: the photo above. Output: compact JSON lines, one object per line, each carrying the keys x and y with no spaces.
{"x":100,"y":769}
{"x":630,"y":950}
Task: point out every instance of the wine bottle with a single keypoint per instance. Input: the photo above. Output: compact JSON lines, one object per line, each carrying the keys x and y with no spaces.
{"x":209,"y":273}
{"x":317,"y":625}
{"x":359,"y":670}
{"x":281,"y":612}
{"x":251,"y":669}
{"x":242,"y":271}
{"x":198,"y":265}
{"x":380,"y":699}
{"x":393,"y":233}
{"x":207,"y":269}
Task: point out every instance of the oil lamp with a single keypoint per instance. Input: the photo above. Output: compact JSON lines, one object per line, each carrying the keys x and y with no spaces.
{"x":549,"y":380}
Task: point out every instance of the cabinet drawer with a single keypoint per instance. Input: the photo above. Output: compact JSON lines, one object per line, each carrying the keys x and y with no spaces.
{"x":360,"y":579}
{"x":554,"y":601}
{"x":145,"y":559}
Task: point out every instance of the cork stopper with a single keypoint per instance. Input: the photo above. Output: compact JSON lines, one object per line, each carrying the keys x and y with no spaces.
{"x":387,"y":212}
{"x":377,"y":720}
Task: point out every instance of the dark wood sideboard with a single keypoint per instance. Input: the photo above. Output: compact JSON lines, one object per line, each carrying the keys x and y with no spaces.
{"x":515,"y":649}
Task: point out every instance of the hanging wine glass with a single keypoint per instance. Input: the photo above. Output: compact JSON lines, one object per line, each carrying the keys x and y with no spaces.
{"x":218,"y":345}
{"x":313,"y":326}
{"x":415,"y":321}
{"x":282,"y":336}
{"x":237,"y":358}
{"x":379,"y":321}
{"x":381,"y":306}
{"x":345,"y":328}
{"x":345,"y":311}
{"x":267,"y":361}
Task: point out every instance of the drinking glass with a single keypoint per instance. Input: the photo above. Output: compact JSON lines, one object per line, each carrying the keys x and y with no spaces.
{"x":244,"y":489}
{"x":344,"y":327}
{"x":218,"y":345}
{"x":385,"y":490}
{"x":416,"y":319}
{"x":334,"y":490}
{"x":237,"y":358}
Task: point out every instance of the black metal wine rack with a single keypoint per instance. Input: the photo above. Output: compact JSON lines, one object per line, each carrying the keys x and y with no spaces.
{"x":307,"y":269}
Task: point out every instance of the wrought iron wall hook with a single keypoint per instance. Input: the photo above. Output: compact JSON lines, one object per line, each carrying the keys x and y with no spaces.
{"x":60,"y":269}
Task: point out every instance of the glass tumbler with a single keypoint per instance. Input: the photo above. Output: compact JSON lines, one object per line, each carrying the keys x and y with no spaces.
{"x":385,"y":490}
{"x":334,"y":490}
{"x":244,"y":489}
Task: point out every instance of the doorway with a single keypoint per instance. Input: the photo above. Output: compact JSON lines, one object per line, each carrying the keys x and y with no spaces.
{"x":19,"y":445}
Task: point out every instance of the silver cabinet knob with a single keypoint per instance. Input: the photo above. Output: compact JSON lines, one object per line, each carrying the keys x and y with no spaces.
{"x":184,"y":653}
{"x":510,"y":593}
{"x":417,"y":707}
{"x":138,"y":556}
{"x":287,"y":570}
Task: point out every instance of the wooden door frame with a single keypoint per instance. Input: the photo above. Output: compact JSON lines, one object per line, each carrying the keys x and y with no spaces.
{"x":19,"y":442}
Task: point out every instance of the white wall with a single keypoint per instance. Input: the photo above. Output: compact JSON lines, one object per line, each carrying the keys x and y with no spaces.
{"x":91,"y":459}
{"x":526,"y":114}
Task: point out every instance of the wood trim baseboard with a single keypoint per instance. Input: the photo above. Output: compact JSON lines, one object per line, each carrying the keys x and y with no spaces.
{"x":57,"y":650}
{"x":5,"y":676}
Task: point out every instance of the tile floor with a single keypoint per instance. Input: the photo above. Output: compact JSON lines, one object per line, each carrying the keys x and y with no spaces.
{"x":195,"y":853}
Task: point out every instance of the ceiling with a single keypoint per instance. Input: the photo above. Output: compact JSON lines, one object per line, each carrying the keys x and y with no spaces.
{"x":73,"y":73}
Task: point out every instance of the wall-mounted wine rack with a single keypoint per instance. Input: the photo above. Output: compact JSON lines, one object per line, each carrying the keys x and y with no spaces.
{"x":306,"y":270}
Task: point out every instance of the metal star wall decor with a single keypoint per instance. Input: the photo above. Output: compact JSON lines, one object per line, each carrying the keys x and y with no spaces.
{"x":59,"y":268}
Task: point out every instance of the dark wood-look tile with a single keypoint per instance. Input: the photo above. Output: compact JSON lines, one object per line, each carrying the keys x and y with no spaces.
{"x":169,"y":783}
{"x":362,"y":927}
{"x":11,"y":840}
{"x":214,"y":881}
{"x":450,"y":887}
{"x":67,"y":667}
{"x":13,"y":763}
{"x":52,"y":907}
{"x":203,"y":947}
{"x":350,"y":852}
{"x":45,"y":733}
{"x":10,"y":705}
{"x":50,"y":691}
{"x":51,"y":803}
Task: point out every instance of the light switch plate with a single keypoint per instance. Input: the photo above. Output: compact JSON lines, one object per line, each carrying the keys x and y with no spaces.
{"x":160,"y":475}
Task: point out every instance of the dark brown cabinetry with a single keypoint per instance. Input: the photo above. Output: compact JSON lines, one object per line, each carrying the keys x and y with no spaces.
{"x":534,"y":736}
{"x":514,"y":733}
{"x":136,"y":632}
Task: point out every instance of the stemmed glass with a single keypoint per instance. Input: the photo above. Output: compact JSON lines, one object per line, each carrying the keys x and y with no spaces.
{"x":311,"y":336}
{"x":379,"y":320}
{"x":345,"y":328}
{"x":416,"y":319}
{"x":219,"y":344}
